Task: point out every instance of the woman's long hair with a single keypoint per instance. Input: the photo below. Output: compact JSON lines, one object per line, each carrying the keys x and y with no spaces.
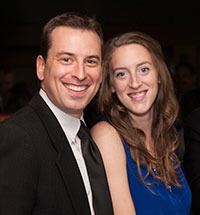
{"x":165,"y":111}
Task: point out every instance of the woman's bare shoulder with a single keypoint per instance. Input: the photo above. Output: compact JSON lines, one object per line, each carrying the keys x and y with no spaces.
{"x":107,"y":138}
{"x":103,"y":126}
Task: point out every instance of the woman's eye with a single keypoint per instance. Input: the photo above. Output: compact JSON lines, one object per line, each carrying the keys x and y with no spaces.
{"x":121,"y":74}
{"x":143,"y":70}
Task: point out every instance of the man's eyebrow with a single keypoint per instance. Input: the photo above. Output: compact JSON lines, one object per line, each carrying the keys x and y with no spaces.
{"x":72,"y":54}
{"x":94,"y":56}
{"x":64,"y":53}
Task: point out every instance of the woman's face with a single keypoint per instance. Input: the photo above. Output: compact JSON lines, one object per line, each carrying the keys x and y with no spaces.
{"x":134,"y":79}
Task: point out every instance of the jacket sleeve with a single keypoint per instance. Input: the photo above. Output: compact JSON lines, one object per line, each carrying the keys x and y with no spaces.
{"x":18,"y":172}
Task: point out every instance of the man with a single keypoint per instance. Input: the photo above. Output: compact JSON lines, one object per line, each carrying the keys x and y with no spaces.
{"x":192,"y":157}
{"x":42,"y":168}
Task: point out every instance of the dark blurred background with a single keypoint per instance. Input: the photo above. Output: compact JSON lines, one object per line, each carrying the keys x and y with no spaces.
{"x":175,"y":24}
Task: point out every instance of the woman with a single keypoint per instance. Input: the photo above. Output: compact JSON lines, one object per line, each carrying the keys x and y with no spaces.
{"x":138,"y":137}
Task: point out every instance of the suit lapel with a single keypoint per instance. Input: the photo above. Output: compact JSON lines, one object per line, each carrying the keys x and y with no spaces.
{"x":65,"y":162}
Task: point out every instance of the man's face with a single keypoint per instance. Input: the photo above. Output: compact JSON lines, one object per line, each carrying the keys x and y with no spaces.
{"x":71,"y":74}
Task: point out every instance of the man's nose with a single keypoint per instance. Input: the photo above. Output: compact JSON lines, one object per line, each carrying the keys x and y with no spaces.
{"x":79,"y":71}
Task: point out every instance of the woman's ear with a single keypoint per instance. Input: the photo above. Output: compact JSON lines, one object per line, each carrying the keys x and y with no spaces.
{"x":113,"y":90}
{"x":158,"y":79}
{"x":40,"y":66}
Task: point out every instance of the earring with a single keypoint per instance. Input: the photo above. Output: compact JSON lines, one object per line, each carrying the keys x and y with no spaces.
{"x":113,"y":90}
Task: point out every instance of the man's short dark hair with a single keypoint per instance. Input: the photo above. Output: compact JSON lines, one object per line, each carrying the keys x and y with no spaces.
{"x":68,"y":19}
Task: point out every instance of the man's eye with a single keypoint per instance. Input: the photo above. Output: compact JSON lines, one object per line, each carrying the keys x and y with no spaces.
{"x":67,"y":60}
{"x":92,"y":62}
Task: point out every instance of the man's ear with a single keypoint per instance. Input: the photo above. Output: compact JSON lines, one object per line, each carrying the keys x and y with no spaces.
{"x":40,"y":66}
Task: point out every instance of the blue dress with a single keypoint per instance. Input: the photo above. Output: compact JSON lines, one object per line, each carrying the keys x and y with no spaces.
{"x":159,"y":200}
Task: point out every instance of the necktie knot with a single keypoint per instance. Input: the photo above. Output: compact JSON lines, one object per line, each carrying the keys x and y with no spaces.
{"x":83,"y":132}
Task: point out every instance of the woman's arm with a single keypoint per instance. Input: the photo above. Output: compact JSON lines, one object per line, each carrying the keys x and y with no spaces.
{"x":114,"y":158}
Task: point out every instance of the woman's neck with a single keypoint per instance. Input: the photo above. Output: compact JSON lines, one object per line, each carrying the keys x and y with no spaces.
{"x":145,"y":124}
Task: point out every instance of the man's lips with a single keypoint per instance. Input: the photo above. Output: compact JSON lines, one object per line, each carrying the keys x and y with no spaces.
{"x":77,"y":88}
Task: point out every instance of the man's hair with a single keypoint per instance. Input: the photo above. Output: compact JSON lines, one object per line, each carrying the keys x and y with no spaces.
{"x":68,"y":19}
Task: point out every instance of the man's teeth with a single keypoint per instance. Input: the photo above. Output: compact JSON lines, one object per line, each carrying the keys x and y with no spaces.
{"x":76,"y":88}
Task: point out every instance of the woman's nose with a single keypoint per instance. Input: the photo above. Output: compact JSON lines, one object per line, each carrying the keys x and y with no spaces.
{"x":135,"y":81}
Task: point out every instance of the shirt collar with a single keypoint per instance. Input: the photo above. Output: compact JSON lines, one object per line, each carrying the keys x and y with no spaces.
{"x":69,"y":124}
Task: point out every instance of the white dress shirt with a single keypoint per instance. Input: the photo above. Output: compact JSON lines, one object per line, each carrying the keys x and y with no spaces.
{"x":70,"y":126}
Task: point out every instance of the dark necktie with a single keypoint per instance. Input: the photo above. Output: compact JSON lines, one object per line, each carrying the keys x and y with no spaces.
{"x":101,"y":196}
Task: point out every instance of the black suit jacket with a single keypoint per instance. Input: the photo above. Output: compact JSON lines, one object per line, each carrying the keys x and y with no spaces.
{"x":192,"y":157}
{"x":38,"y":172}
